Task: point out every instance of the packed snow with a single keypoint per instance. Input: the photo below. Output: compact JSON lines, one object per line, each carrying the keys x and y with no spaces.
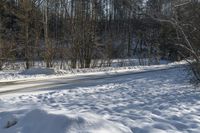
{"x":153,"y":102}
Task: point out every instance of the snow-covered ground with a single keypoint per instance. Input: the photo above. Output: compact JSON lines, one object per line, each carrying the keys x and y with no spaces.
{"x":46,"y":73}
{"x":153,"y":102}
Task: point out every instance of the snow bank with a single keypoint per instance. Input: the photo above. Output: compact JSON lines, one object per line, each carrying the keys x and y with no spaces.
{"x":46,"y":73}
{"x":40,"y":121}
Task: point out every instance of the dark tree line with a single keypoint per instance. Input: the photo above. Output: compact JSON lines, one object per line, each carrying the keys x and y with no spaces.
{"x":82,"y":31}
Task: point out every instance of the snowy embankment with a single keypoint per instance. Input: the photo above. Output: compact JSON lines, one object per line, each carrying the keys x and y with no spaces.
{"x":155,"y":102}
{"x":46,"y":73}
{"x":39,"y":121}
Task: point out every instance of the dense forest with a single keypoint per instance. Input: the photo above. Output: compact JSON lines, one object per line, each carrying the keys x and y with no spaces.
{"x":81,"y":31}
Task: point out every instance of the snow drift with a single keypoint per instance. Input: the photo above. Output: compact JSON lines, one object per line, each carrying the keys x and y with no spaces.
{"x":40,"y":121}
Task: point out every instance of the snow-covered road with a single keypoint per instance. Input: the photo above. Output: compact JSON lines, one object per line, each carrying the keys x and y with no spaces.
{"x":29,"y":85}
{"x":153,"y":102}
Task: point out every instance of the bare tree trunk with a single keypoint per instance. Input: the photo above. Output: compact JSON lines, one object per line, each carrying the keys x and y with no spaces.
{"x":1,"y":45}
{"x":27,"y":51}
{"x":46,"y":37}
